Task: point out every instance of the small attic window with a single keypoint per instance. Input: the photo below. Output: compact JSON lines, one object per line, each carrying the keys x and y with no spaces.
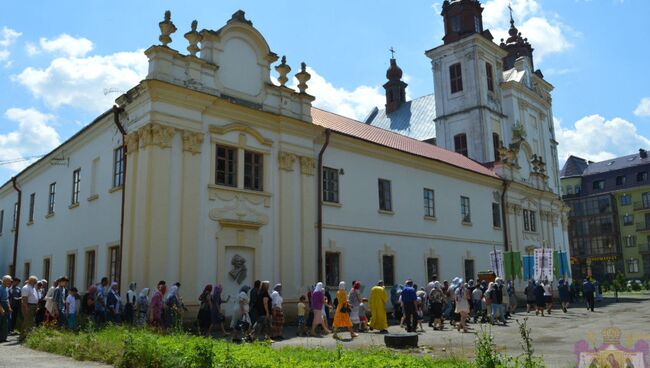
{"x":610,"y":163}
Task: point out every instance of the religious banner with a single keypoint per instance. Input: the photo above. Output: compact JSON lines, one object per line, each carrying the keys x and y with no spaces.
{"x":529,"y":267}
{"x":496,"y":262}
{"x":543,"y":264}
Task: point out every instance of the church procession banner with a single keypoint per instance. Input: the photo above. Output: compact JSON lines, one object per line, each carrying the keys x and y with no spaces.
{"x":543,"y":264}
{"x":496,"y":262}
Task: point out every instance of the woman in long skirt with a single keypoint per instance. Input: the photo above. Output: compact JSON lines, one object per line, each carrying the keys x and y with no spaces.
{"x":277,"y":314}
{"x":342,"y":315}
{"x":355,"y":301}
{"x":204,"y":318}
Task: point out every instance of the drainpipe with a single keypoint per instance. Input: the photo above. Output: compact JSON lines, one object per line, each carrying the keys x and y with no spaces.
{"x":17,"y":229}
{"x":320,"y":205}
{"x":116,"y":119}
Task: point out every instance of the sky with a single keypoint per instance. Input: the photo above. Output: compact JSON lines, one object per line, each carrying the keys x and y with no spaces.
{"x":64,"y":63}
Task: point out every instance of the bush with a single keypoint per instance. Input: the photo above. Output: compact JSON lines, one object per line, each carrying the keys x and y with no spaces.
{"x":138,"y":348}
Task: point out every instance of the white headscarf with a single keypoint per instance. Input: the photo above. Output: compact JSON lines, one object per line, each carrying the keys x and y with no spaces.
{"x":142,"y":298}
{"x":436,"y":285}
{"x":319,"y":287}
{"x":173,"y":292}
{"x":342,"y":285}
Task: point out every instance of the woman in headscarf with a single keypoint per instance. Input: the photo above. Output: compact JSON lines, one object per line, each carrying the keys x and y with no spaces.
{"x":50,"y":306}
{"x":317,"y":299}
{"x":342,"y":315}
{"x":264,"y":309}
{"x":205,"y":306}
{"x":88,"y":301}
{"x":530,"y":296}
{"x":173,"y":306}
{"x":142,"y":306}
{"x":436,"y":301}
{"x":114,"y":303}
{"x":277,"y":314}
{"x":156,"y":307}
{"x":241,"y":321}
{"x":218,"y":318}
{"x":565,"y":295}
{"x":540,"y":300}
{"x":548,"y":296}
{"x":129,"y":308}
{"x":462,"y":304}
{"x":487,"y":298}
{"x":354,"y":298}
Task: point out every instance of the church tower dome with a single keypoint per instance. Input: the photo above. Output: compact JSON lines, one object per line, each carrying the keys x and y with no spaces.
{"x":462,"y":18}
{"x":516,"y":46}
{"x":395,"y":87}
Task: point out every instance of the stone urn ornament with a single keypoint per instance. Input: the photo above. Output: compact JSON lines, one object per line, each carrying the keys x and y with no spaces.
{"x":283,"y":69}
{"x":303,"y":77}
{"x":167,"y":27}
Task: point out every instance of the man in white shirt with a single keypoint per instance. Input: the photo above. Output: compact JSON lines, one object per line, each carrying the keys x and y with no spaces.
{"x":29,"y":304}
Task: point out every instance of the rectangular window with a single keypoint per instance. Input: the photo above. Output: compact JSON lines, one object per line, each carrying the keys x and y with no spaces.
{"x":332,"y":268}
{"x":429,"y":203}
{"x":118,"y":167}
{"x":32,"y":199}
{"x":2,"y":220}
{"x":577,"y":189}
{"x":388,"y":269}
{"x":385,"y":196}
{"x":71,"y":268}
{"x":330,"y":185}
{"x":626,"y":199}
{"x":456,"y":78}
{"x":477,"y":24}
{"x":26,"y":270}
{"x":76,"y":186}
{"x":630,"y":241}
{"x":114,"y":264}
{"x":226,"y":166}
{"x":432,"y":269}
{"x":253,"y":170}
{"x":632,"y":265}
{"x":611,"y":267}
{"x":47,"y":263}
{"x":526,"y":221}
{"x":50,"y":199}
{"x":496,"y":144}
{"x":460,"y":144}
{"x":628,"y":219}
{"x":465,"y":212}
{"x":455,"y":23}
{"x":642,"y":176}
{"x":15,"y":216}
{"x":90,"y":267}
{"x":496,"y":215}
{"x":533,"y":221}
{"x":598,"y":185}
{"x":620,"y":180}
{"x":469,"y":269}
{"x":490,"y":77}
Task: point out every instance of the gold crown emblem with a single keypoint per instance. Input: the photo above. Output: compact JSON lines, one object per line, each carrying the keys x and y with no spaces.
{"x":612,"y":335}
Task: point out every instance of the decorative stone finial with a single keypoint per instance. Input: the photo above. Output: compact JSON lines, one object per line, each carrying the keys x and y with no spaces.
{"x":193,"y":37}
{"x":166,"y":29}
{"x":240,"y":16}
{"x":303,"y":77}
{"x":283,"y":69}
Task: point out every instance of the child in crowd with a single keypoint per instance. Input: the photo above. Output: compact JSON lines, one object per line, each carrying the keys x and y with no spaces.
{"x":420,"y":313}
{"x":363,"y":315}
{"x":71,"y":308}
{"x":301,"y":316}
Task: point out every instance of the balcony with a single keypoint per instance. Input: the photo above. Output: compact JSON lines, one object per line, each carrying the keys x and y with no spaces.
{"x":643,"y":226}
{"x":642,"y":206}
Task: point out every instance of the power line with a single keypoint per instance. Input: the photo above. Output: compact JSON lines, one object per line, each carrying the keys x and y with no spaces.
{"x":17,"y":160}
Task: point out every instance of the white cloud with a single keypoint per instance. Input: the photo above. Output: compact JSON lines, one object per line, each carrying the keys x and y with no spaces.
{"x":7,"y":38}
{"x":644,"y":107}
{"x":595,"y":138}
{"x":32,"y":49}
{"x":33,"y":136}
{"x":355,"y":104}
{"x":78,"y":80}
{"x":546,"y":35}
{"x":65,"y":45}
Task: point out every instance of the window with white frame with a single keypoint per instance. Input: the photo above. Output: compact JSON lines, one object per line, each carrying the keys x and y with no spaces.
{"x":50,"y":199}
{"x":429,"y":203}
{"x":330,"y":185}
{"x":76,"y":186}
{"x":118,"y":167}
{"x":465,"y":212}
{"x":632,"y":265}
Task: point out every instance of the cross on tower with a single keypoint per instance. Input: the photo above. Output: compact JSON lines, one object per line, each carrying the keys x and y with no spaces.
{"x":392,"y":52}
{"x":510,"y":8}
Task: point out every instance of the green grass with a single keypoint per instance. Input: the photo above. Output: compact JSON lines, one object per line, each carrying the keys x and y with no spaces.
{"x":138,"y":348}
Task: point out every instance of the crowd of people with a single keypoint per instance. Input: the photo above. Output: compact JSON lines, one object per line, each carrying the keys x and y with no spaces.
{"x":258,"y":311}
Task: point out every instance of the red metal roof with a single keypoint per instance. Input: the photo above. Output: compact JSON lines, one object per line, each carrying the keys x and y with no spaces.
{"x":357,"y":129}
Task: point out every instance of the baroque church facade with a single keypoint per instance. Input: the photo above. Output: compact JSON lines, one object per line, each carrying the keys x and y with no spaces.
{"x":208,"y":171}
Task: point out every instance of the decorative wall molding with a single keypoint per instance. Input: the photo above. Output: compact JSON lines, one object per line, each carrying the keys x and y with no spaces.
{"x":155,"y":134}
{"x":307,"y":165}
{"x":221,"y":130}
{"x":192,"y":141}
{"x":132,"y":142}
{"x":239,"y":214}
{"x":286,"y":160}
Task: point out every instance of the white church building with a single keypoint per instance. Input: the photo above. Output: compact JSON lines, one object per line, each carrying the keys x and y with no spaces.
{"x":207,"y":171}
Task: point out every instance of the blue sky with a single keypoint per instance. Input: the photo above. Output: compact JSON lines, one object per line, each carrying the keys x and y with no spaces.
{"x":58,"y":58}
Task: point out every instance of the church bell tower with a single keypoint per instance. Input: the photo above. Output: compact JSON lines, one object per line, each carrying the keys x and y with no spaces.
{"x":467,"y":70}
